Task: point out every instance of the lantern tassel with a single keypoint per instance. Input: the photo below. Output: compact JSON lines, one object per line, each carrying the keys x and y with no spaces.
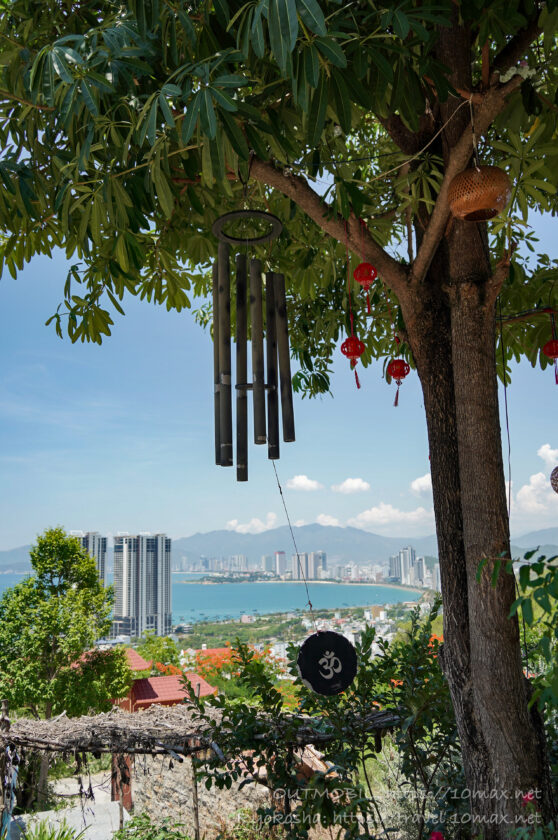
{"x":396,"y":400}
{"x":368,"y":302}
{"x":357,"y":379}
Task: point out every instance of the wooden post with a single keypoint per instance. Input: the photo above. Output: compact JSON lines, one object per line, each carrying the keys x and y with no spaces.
{"x":225,"y":405}
{"x":241,"y":371}
{"x":271,"y":353}
{"x":195,"y":788}
{"x":287,"y":410}
{"x":256,"y":316}
{"x":216,"y":398}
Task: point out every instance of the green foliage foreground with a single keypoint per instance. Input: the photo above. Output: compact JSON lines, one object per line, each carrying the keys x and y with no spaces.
{"x":49,"y":623}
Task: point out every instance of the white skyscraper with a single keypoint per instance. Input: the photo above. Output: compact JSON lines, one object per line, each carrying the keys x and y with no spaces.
{"x":96,"y":546}
{"x":142,"y":585}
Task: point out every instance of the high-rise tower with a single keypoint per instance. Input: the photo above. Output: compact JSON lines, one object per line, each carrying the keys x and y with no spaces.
{"x":142,"y":585}
{"x":96,"y":546}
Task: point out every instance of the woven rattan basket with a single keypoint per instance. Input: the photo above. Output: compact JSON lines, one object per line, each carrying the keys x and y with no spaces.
{"x":477,"y":195}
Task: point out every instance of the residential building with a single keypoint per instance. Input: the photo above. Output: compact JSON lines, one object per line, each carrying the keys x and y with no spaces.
{"x":280,"y":563}
{"x":96,"y":546}
{"x":299,"y":566}
{"x":142,"y":584}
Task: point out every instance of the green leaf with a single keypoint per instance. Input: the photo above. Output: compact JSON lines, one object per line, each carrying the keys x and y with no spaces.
{"x":235,"y":135}
{"x":152,"y":124}
{"x":190,"y":119}
{"x":164,"y":192}
{"x":400,"y":23}
{"x":527,"y":611}
{"x":166,"y":111}
{"x":312,"y":16}
{"x":60,"y":66}
{"x":207,"y":113}
{"x":223,"y":99}
{"x":332,"y":51}
{"x":186,"y":24}
{"x":231,"y":80}
{"x":311,"y":66}
{"x":87,"y":96}
{"x":316,"y":117}
{"x":342,"y":101}
{"x":283,"y":29}
{"x":257,"y":35}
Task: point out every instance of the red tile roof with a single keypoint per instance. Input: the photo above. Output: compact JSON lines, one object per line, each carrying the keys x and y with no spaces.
{"x":137,"y":662}
{"x":165,"y":690}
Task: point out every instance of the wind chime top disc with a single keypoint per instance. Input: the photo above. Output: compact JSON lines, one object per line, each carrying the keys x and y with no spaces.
{"x":327,"y":663}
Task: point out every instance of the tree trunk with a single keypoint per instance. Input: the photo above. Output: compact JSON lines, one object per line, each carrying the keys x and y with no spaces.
{"x":450,"y":325}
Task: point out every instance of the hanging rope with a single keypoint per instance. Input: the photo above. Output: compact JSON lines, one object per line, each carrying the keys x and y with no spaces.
{"x":475,"y":149}
{"x":309,"y":602}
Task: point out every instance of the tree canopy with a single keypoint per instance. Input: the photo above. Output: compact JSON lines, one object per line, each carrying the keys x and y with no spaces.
{"x":49,"y":624}
{"x":127,"y":128}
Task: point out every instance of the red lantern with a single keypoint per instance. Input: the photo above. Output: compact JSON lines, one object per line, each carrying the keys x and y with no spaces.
{"x":398,"y":369}
{"x":550,"y":349}
{"x":353,"y":348}
{"x":365,"y":274}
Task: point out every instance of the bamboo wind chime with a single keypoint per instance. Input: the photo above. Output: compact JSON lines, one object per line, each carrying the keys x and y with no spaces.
{"x":265,"y":370}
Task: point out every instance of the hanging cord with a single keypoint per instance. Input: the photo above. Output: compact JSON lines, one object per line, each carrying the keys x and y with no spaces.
{"x":475,"y":149}
{"x":506,"y":411}
{"x":553,"y":327}
{"x":353,"y":360}
{"x":295,"y":548}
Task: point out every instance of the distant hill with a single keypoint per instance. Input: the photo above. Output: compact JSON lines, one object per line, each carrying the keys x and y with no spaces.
{"x":15,"y":559}
{"x":343,"y":544}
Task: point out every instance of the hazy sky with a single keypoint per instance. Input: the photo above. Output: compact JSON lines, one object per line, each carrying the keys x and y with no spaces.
{"x":120,"y":437}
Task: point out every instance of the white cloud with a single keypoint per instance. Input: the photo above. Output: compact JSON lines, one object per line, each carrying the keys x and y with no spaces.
{"x":422,"y":485}
{"x":255,"y":526}
{"x":351,"y":485}
{"x":302,"y":482}
{"x":383,"y":514}
{"x":549,"y":455}
{"x":299,"y":523}
{"x":326,"y":519}
{"x":537,"y":497}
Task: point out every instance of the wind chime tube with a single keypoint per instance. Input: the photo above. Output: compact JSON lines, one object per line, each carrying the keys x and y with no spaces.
{"x":241,"y":371}
{"x":225,"y":405}
{"x":271,"y":357}
{"x":287,"y":410}
{"x":216,"y":398}
{"x":258,"y":381}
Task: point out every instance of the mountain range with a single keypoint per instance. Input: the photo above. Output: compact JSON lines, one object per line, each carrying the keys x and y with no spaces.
{"x":340,"y":544}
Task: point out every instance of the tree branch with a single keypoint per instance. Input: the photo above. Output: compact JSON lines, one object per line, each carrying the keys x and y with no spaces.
{"x":297,"y":189}
{"x":516,"y":48}
{"x":493,"y":102}
{"x":410,"y":142}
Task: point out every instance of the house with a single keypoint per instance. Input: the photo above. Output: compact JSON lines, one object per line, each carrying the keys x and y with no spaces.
{"x":166,"y":691}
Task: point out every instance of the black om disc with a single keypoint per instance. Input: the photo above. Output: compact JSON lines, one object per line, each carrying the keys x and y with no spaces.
{"x":217,"y":229}
{"x":327,"y":663}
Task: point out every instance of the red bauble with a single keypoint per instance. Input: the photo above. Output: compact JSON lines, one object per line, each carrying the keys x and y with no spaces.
{"x":353,"y":348}
{"x":398,"y":370}
{"x":550,"y":349}
{"x":365,"y":274}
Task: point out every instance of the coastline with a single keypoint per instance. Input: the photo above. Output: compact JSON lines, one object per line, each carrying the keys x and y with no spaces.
{"x":400,"y":586}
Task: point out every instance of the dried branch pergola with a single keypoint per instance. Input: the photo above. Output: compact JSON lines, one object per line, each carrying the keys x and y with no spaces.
{"x":171,"y":730}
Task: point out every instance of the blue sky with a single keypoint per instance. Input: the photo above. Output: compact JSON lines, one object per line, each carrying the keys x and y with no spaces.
{"x":120,"y":437}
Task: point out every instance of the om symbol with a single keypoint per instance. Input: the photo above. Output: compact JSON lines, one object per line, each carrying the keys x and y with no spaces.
{"x":331,"y":665}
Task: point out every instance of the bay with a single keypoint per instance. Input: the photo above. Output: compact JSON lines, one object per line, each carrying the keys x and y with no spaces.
{"x":193,"y":601}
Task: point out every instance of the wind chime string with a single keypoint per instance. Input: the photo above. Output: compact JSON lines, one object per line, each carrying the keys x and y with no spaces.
{"x":353,"y":360}
{"x":553,"y":328}
{"x":475,"y":150}
{"x":309,"y":602}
